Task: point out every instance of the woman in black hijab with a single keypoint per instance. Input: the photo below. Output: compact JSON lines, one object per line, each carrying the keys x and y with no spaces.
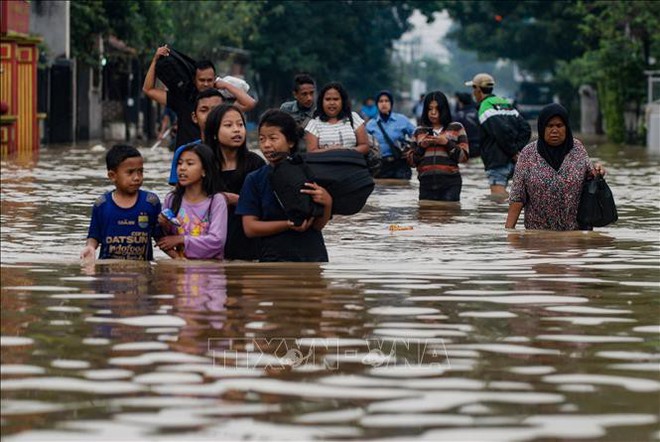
{"x":555,"y":139}
{"x":549,"y":174}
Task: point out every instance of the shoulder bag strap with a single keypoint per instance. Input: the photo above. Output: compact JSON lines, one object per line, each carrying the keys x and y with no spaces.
{"x":396,"y":152}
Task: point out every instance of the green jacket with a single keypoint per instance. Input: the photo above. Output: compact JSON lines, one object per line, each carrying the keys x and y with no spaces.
{"x":503,"y":131}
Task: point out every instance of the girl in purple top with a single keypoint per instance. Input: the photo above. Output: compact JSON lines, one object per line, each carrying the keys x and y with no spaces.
{"x":549,"y":175}
{"x":199,"y":228}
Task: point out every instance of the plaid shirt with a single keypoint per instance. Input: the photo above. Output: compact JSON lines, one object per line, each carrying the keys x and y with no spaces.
{"x":302,"y":116}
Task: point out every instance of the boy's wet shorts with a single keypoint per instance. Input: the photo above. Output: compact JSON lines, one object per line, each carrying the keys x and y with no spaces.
{"x":500,"y":176}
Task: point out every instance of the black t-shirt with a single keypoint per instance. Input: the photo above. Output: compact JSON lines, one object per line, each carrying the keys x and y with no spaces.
{"x":233,"y":179}
{"x":238,"y":245}
{"x":187,"y":131}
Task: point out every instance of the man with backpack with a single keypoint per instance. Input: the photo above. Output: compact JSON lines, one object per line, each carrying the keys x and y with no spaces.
{"x":503,"y":132}
{"x":182,"y":101}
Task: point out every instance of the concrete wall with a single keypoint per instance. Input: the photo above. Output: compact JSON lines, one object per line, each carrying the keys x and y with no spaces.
{"x":588,"y":110}
{"x":50,"y":19}
{"x":89,"y":118}
{"x":653,"y":126}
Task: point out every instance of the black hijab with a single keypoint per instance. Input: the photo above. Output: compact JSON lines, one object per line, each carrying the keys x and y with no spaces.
{"x":388,"y":94}
{"x":554,"y":155}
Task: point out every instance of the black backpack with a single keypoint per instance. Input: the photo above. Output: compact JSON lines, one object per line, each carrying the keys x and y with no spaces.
{"x":597,"y":207}
{"x":513,"y":131}
{"x":177,"y":72}
{"x":345,"y":175}
{"x":522,"y":134}
{"x":287,"y":178}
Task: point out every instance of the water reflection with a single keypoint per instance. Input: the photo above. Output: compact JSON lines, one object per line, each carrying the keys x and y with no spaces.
{"x":438,"y":211}
{"x":453,"y":329}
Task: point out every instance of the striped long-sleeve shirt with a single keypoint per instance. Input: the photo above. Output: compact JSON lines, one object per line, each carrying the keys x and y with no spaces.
{"x":443,"y":159}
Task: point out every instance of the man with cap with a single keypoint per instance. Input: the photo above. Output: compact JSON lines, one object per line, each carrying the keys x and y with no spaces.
{"x":390,"y":130}
{"x":503,"y":132}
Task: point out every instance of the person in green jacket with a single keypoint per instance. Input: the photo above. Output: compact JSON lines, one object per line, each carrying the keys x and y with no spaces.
{"x":503,"y":132}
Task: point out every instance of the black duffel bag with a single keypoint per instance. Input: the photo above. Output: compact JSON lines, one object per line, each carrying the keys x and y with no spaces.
{"x":345,"y":175}
{"x":597,"y":207}
{"x":287,"y":178}
{"x":177,"y":72}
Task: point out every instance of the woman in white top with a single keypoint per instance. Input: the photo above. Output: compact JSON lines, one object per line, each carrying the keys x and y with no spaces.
{"x":334,"y":125}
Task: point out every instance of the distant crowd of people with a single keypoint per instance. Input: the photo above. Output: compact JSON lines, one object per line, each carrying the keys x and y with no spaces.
{"x":223,"y":205}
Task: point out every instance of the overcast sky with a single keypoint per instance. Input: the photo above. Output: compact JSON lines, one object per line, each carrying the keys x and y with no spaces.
{"x":431,"y":34}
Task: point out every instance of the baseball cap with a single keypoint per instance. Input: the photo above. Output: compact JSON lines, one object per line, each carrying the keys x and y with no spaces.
{"x":481,"y":80}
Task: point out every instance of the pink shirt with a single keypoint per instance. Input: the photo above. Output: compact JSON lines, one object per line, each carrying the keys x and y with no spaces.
{"x":204,"y":226}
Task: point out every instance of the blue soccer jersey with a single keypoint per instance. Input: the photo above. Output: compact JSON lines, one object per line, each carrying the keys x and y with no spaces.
{"x":125,"y":233}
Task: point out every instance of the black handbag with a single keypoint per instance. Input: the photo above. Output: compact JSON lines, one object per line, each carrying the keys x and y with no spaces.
{"x":597,"y":207}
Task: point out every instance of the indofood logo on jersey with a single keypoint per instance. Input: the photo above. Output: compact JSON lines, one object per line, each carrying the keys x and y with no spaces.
{"x":143,"y":220}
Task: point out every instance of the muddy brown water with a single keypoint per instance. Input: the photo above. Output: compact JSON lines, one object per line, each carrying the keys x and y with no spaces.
{"x":453,"y":330}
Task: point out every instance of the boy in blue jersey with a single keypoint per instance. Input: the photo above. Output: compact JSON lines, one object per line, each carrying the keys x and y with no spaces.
{"x":124,"y":220}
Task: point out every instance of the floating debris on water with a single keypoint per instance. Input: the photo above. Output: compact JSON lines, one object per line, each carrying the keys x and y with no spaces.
{"x":398,"y":227}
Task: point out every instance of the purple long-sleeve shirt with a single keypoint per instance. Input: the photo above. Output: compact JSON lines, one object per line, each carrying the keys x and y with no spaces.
{"x":204,"y":226}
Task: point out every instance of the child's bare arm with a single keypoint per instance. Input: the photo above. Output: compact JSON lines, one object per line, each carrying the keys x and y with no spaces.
{"x":254,"y":227}
{"x":172,"y":254}
{"x":90,"y":249}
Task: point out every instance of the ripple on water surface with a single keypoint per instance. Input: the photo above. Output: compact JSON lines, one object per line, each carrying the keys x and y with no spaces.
{"x":453,"y":330}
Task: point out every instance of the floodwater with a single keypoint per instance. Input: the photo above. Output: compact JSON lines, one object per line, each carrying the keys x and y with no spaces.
{"x":452,"y":330}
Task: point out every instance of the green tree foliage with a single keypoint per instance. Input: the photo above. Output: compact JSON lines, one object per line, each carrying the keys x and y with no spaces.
{"x":625,"y":41}
{"x":206,"y":29}
{"x":88,"y":19}
{"x":533,"y":33}
{"x":604,"y":43}
{"x":139,"y":23}
{"x":345,"y":41}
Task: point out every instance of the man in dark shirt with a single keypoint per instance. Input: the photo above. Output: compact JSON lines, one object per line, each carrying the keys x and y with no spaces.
{"x":302,"y":108}
{"x":205,"y":78}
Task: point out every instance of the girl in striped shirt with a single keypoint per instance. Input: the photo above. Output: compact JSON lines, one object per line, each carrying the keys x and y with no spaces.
{"x":335,"y":126}
{"x":441,"y":145}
